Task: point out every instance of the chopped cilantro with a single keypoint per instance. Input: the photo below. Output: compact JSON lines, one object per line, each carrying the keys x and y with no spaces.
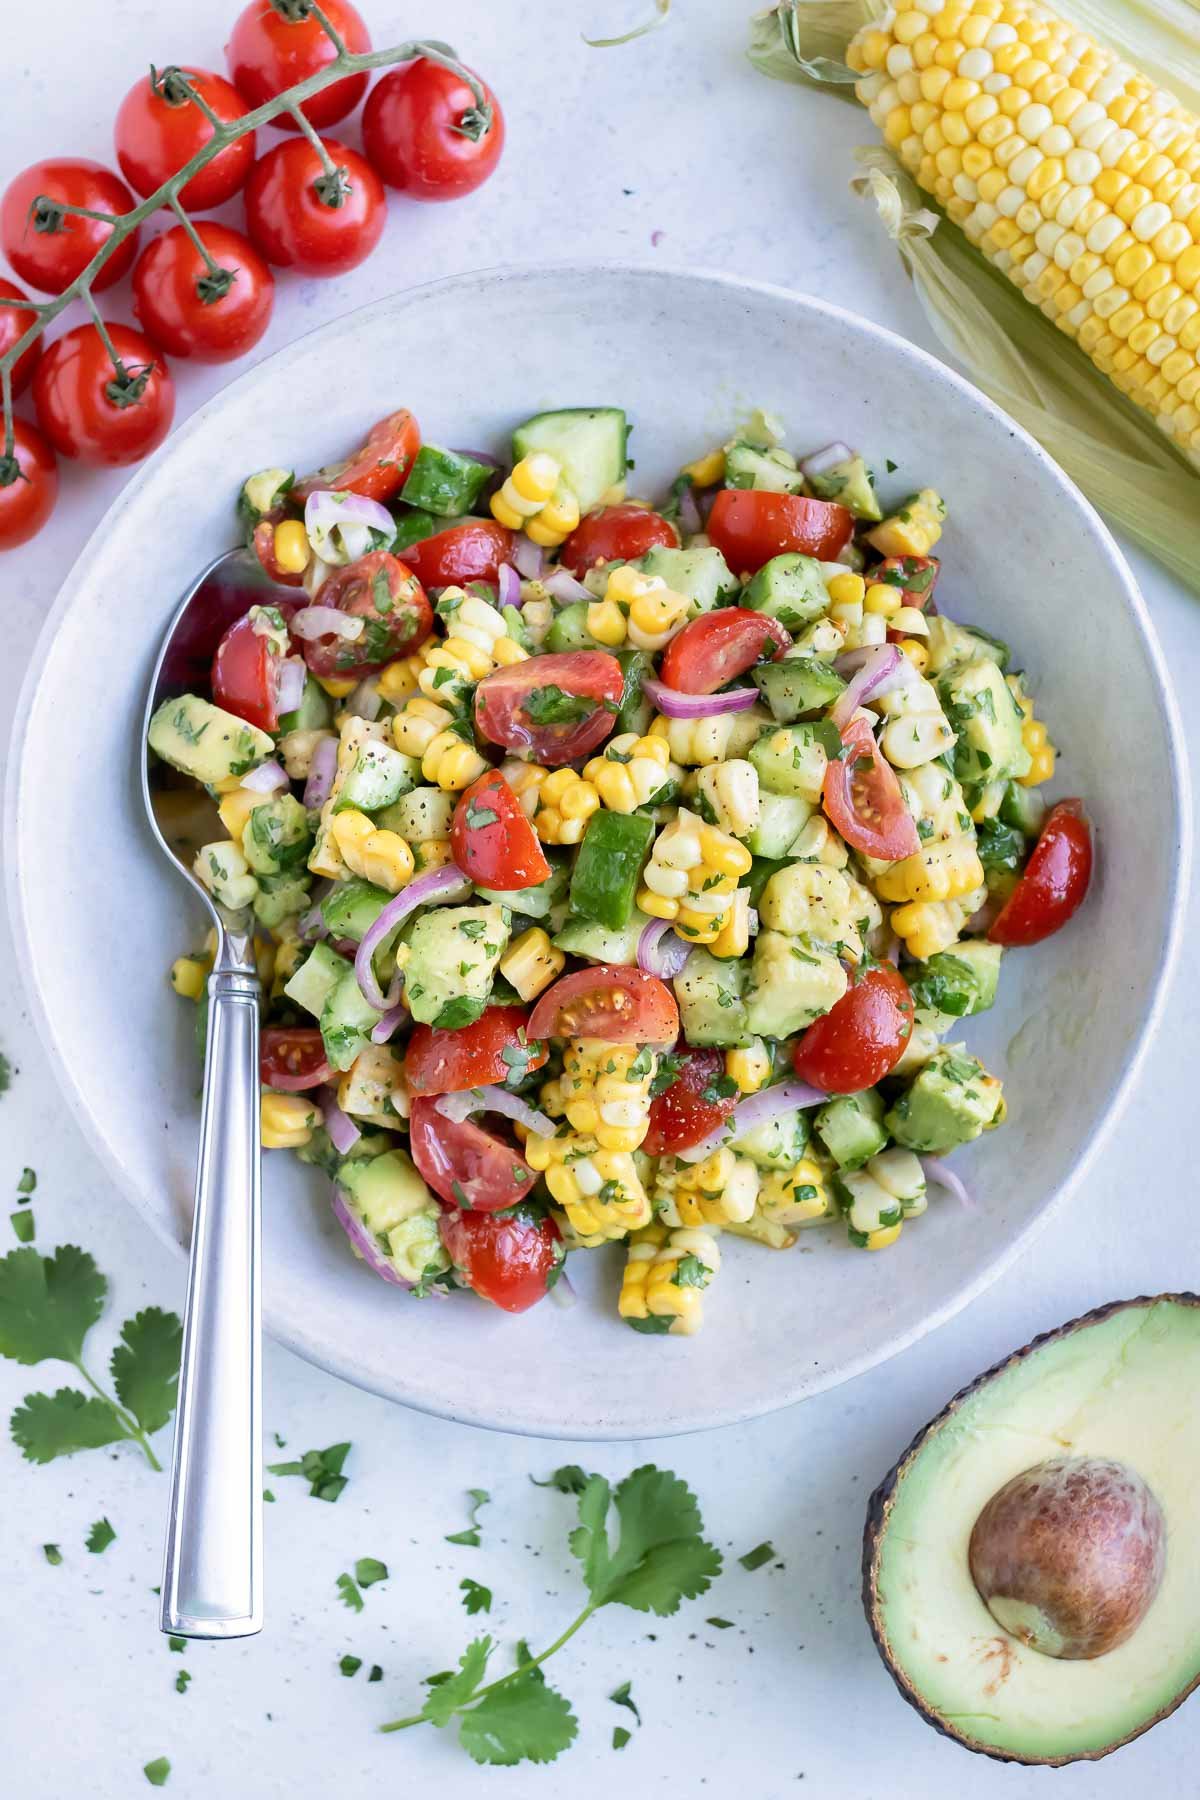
{"x":479,"y":1497}
{"x":761,"y":1553}
{"x":551,"y":706}
{"x":350,"y":1665}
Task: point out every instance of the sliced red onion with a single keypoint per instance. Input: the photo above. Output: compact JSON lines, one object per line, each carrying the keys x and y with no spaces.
{"x":827,"y":458}
{"x":311,"y":925}
{"x":690,"y":522}
{"x":508,"y":585}
{"x":757,"y":1109}
{"x":316,"y":573}
{"x":390,"y":1022}
{"x":498,"y":1100}
{"x":341,"y":527}
{"x":289,"y":687}
{"x":562,"y":1293}
{"x":366,"y":701}
{"x":561,"y":585}
{"x":942,"y":1175}
{"x":266,"y":778}
{"x":661,"y":951}
{"x":321,"y":772}
{"x":439,"y":884}
{"x":676,"y":705}
{"x":343,"y":1132}
{"x":326,"y":621}
{"x":878,"y":674}
{"x":529,"y":558}
{"x":364,"y":1241}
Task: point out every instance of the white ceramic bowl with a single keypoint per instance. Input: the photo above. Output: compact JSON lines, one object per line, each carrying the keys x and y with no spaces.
{"x":100,"y":915}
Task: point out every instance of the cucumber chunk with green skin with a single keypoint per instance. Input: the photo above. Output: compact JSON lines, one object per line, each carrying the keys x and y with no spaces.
{"x":958,"y":981}
{"x":851,"y":1128}
{"x":205,"y":741}
{"x":347,"y":1021}
{"x":420,"y":815}
{"x":790,"y":588}
{"x":798,"y":687}
{"x":414,"y":525}
{"x":1023,"y":808}
{"x":587,"y":442}
{"x":379,"y":777}
{"x":791,"y":760}
{"x":533,"y":902}
{"x":636,"y":711}
{"x":352,"y":908}
{"x":603,"y":943}
{"x":607,"y":866}
{"x":444,"y":482}
{"x":770,"y":471}
{"x":849,"y":483}
{"x":712,"y":1008}
{"x":701,"y":573}
{"x":316,"y":978}
{"x":314,"y":712}
{"x":568,"y":629}
{"x":781,"y":819}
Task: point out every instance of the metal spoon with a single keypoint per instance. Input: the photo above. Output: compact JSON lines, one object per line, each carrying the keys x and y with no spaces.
{"x":212,"y":1583}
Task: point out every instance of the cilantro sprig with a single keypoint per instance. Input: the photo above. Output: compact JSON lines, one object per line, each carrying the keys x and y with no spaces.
{"x":48,"y":1304}
{"x":659,"y":1560}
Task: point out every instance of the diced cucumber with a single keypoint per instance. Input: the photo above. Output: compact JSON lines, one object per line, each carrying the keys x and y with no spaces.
{"x":313,"y":713}
{"x":1023,"y":808}
{"x":379,"y":777}
{"x":568,"y":629}
{"x":851,"y":1128}
{"x":791,"y":760}
{"x":352,"y":907}
{"x":636,"y":711}
{"x":421,"y":814}
{"x":711,"y":1007}
{"x":533,"y":902}
{"x":587,"y":442}
{"x":444,"y":482}
{"x":849,"y":483}
{"x":781,"y":819}
{"x":205,"y":741}
{"x":608,"y":864}
{"x":702,"y":574}
{"x":601,"y":943}
{"x":346,"y":1022}
{"x":412,"y":526}
{"x":798,"y":687}
{"x":791,"y":588}
{"x":771,"y":471}
{"x":316,"y":978}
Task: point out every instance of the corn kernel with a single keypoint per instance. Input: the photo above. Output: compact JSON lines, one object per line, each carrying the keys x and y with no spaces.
{"x":291,"y":546}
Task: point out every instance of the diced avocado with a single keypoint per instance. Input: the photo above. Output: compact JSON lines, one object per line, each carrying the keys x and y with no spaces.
{"x":951,"y":1101}
{"x":636,"y":711}
{"x":601,"y":943}
{"x":224,"y":871}
{"x":798,"y":687}
{"x":791,"y":588}
{"x":453,"y":952}
{"x":277,"y":838}
{"x":314,"y":712}
{"x":281,"y":897}
{"x":981,"y":708}
{"x":391,"y":1200}
{"x":568,"y":629}
{"x":781,"y":819}
{"x":204,"y":741}
{"x":534,"y":902}
{"x":702,"y":574}
{"x":588,"y":444}
{"x":1023,"y":808}
{"x":849,"y":483}
{"x":421,"y":814}
{"x":347,"y":1020}
{"x":958,"y":981}
{"x":412,"y":526}
{"x":791,"y":985}
{"x":812,"y":901}
{"x":378,"y":778}
{"x":950,"y":643}
{"x":316,"y":978}
{"x":607,"y":866}
{"x":261,"y":494}
{"x":851,"y":1128}
{"x":711,"y":1008}
{"x":444,"y":482}
{"x":352,"y":907}
{"x":779,"y":1144}
{"x":791,"y":760}
{"x":771,"y":471}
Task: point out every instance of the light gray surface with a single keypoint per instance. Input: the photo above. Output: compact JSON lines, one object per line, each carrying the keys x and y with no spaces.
{"x":750,"y":177}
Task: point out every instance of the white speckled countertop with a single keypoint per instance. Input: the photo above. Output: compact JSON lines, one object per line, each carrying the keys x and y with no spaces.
{"x":671,"y":147}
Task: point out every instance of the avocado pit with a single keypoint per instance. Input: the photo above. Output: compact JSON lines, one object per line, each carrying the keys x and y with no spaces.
{"x":1069,"y":1555}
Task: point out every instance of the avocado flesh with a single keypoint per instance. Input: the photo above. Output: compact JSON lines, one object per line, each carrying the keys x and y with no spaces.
{"x":1120,"y":1384}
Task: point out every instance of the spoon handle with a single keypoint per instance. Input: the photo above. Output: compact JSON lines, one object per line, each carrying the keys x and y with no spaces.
{"x":212,"y":1583}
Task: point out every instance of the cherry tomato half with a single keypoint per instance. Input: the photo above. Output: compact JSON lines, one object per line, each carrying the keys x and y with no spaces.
{"x":913,"y":576}
{"x":295,"y":226}
{"x":626,"y":1006}
{"x":491,"y":839}
{"x":382,"y":590}
{"x":377,"y":469}
{"x":557,"y":707}
{"x":159,"y":127}
{"x":245,"y":675}
{"x":50,"y":260}
{"x":292,"y":1058}
{"x":863,"y":800}
{"x":694,"y":1104}
{"x":508,"y":1261}
{"x":425,"y":135}
{"x":14,"y":323}
{"x":88,"y":411}
{"x":464,"y":1164}
{"x":861,"y":1038}
{"x":28,"y":490}
{"x":181,"y":304}
{"x":472,"y":551}
{"x":496,"y":1046}
{"x":268,"y":51}
{"x":615,"y":534}
{"x":712,"y":649}
{"x":1054,"y":882}
{"x":749,"y":527}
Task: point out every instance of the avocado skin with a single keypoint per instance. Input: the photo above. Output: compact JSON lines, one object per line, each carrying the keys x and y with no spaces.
{"x":879,"y":1507}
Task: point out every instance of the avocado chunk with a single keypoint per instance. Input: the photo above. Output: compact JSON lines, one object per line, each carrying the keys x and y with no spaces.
{"x":711,"y":1009}
{"x":701,"y":573}
{"x":779,"y":1144}
{"x":277,"y":838}
{"x":982,"y":710}
{"x":453,"y":952}
{"x":791,"y":760}
{"x":387,"y":1196}
{"x":1117,"y":1385}
{"x":792,"y":983}
{"x":205,"y":741}
{"x":281,"y":897}
{"x":951,"y":1101}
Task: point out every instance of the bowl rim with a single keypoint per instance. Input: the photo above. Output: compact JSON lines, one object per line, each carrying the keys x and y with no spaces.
{"x":288,"y":1329}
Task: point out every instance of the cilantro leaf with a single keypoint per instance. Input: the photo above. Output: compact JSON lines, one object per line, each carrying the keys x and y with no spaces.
{"x":176,"y":1645}
{"x":570,"y":1479}
{"x":551,"y":706}
{"x":622,"y":1697}
{"x":368,"y":1570}
{"x":145,"y":1366}
{"x":321,"y":1468}
{"x":349,"y":1593}
{"x":523,"y":1720}
{"x":376,"y":1673}
{"x":720,"y":1624}
{"x":444,"y":1700}
{"x":754,"y":1559}
{"x":476,"y":1598}
{"x":660,"y":1557}
{"x":50,"y":1425}
{"x":23,"y":1226}
{"x":156,"y":1772}
{"x":52,"y":1554}
{"x":100,"y":1537}
{"x":48,"y":1304}
{"x":620,"y":1737}
{"x":181,"y":1681}
{"x":478,"y":1497}
{"x":28,"y":1182}
{"x":350,"y":1665}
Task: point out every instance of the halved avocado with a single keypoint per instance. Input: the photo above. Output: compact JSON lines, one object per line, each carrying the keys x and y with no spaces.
{"x":1117,"y":1386}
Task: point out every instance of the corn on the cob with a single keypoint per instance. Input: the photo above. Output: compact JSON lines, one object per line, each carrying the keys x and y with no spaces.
{"x":1035,"y":738}
{"x":631,"y":771}
{"x":382,"y":857}
{"x":731,"y":791}
{"x":599,"y":1190}
{"x":604,"y":1091}
{"x":692,"y":877}
{"x":639,"y":607}
{"x":797,"y":1196}
{"x":722,"y":1188}
{"x":665,"y":1277}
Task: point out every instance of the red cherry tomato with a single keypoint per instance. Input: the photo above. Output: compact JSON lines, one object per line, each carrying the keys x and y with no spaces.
{"x":50,"y":260}
{"x":472,"y":551}
{"x":441,"y":1061}
{"x":863,"y":800}
{"x":295,"y":227}
{"x":377,"y":469}
{"x":292,"y":1058}
{"x":861,"y":1038}
{"x":267,"y":52}
{"x":508,"y":1261}
{"x":180,"y":305}
{"x":14,"y":323}
{"x":464,"y":1164}
{"x":87,"y":411}
{"x":28,"y":486}
{"x":692,"y":1106}
{"x":626,"y":1006}
{"x":245,"y":675}
{"x":159,"y":128}
{"x":712,"y":649}
{"x":615,"y":534}
{"x":914,"y":576}
{"x":263,"y":545}
{"x":557,"y":707}
{"x":425,"y":135}
{"x":491,"y":839}
{"x":382,"y":590}
{"x":749,"y":527}
{"x":1054,"y":882}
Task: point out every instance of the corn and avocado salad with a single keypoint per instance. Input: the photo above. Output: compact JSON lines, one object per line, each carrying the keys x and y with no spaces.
{"x":622,"y":874}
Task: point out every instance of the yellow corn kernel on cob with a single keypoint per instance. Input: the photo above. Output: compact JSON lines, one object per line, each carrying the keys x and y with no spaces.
{"x":937,"y":871}
{"x":565,"y":803}
{"x":722,"y":1188}
{"x":291,"y":546}
{"x":916,"y":652}
{"x":733,"y":939}
{"x":526,"y":489}
{"x":556,"y":520}
{"x":531,"y":962}
{"x":927,"y":926}
{"x":731,"y":791}
{"x":338,"y":687}
{"x":189,"y":976}
{"x":631,"y":771}
{"x":476,"y":643}
{"x":692,"y":877}
{"x":234,"y":809}
{"x":797,"y":1196}
{"x":381,"y":857}
{"x":655,"y":612}
{"x":399,"y":680}
{"x":297,"y":749}
{"x":325,"y":858}
{"x":1035,"y":738}
{"x":607,"y":623}
{"x":879,"y":598}
{"x":604,"y":1091}
{"x":431,"y":853}
{"x":749,"y":1066}
{"x":427,"y":731}
{"x":287,"y":1120}
{"x":665,"y":1277}
{"x":913,"y":529}
{"x":916,"y":729}
{"x":878,"y":1198}
{"x":711,"y":739}
{"x":599,"y":1190}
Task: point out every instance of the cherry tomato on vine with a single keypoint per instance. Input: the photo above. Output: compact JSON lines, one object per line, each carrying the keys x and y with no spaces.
{"x":101,"y":415}
{"x":750,"y":527}
{"x":192,"y":312}
{"x":159,"y":127}
{"x":302,"y":218}
{"x":472,"y":551}
{"x":693,"y":1106}
{"x":51,"y":259}
{"x":14,"y":323}
{"x":276,"y":43}
{"x":441,"y":1060}
{"x":860,"y":1039}
{"x":1054,"y":882}
{"x":508,"y":1260}
{"x":615,"y":534}
{"x":381,"y":590}
{"x":425,"y":134}
{"x":28,"y":485}
{"x":492,"y":840}
{"x":377,"y":469}
{"x":712,"y":649}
